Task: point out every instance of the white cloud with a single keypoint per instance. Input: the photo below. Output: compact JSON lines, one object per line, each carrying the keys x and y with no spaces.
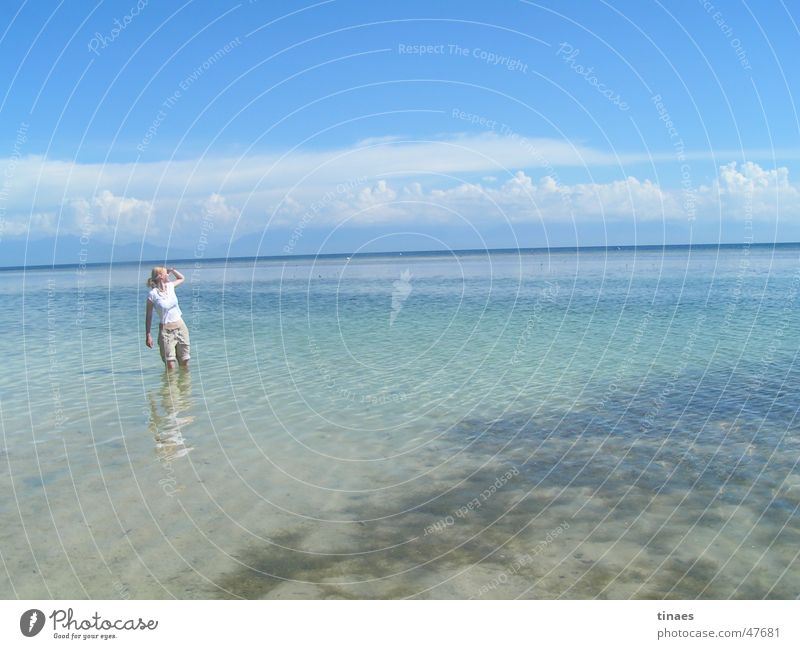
{"x":217,"y":208}
{"x":752,"y":178}
{"x":413,"y":190}
{"x":39,"y":224}
{"x":522,"y":199}
{"x":108,"y":215}
{"x":375,"y":195}
{"x":749,"y":191}
{"x":381,"y":139}
{"x":125,"y":212}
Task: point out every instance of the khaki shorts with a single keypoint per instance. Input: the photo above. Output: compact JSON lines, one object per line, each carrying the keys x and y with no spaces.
{"x":174,"y":343}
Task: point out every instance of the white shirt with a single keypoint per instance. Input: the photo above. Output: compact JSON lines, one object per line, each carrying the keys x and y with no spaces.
{"x":166,"y":304}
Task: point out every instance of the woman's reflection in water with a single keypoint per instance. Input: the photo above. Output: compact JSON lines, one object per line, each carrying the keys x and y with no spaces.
{"x":166,"y":423}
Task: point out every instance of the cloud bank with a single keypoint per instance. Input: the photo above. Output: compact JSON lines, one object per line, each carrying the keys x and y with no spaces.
{"x":378,"y":181}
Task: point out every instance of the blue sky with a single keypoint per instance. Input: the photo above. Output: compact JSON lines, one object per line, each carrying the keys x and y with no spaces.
{"x":326,"y":127}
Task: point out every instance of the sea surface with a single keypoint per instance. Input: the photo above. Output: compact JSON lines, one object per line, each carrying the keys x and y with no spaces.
{"x":575,"y":424}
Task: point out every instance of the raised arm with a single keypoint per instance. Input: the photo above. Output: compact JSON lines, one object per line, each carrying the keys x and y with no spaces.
{"x":179,"y":278}
{"x":148,"y":320}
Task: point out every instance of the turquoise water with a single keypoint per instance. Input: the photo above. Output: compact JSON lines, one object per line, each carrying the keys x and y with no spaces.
{"x":572,"y":424}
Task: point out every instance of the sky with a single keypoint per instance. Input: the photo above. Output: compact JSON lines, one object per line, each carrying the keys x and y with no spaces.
{"x":284,"y":128}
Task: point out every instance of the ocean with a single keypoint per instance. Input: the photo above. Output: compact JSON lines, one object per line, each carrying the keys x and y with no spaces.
{"x":574,"y":424}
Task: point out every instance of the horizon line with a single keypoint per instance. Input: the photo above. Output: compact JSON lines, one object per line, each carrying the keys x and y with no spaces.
{"x":464,"y":251}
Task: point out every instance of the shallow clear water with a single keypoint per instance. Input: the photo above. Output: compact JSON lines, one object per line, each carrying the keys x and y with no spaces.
{"x":606,"y":424}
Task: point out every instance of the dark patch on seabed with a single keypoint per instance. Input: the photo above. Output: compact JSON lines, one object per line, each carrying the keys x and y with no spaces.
{"x":638,"y":498}
{"x":393,"y":558}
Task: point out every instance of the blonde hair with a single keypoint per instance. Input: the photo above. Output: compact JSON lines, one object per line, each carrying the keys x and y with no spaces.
{"x":153,"y":279}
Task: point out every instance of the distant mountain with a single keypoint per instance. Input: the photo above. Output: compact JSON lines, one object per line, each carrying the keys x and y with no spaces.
{"x":386,"y":237}
{"x":375,"y":238}
{"x":70,"y":250}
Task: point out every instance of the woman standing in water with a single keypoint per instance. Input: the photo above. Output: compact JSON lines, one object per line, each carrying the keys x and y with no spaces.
{"x":173,"y":336}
